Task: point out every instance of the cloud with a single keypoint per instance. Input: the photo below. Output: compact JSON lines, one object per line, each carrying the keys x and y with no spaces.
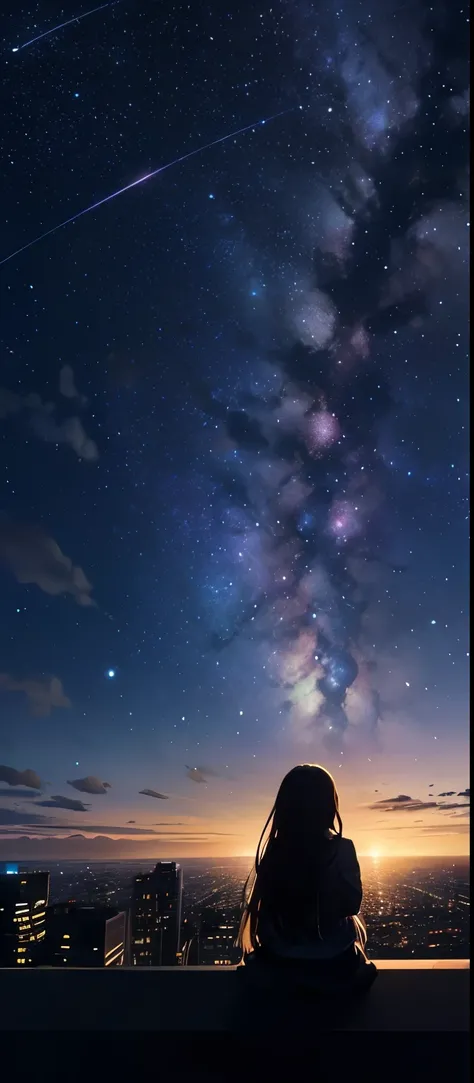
{"x":34,"y":557}
{"x":464,"y":793}
{"x":131,"y":821}
{"x":9,"y":817}
{"x":41,"y":417}
{"x":57,"y":801}
{"x":42,"y":695}
{"x":402,"y":803}
{"x":448,"y":793}
{"x":47,"y":825}
{"x":200,"y":774}
{"x":90,"y":784}
{"x":446,"y":829}
{"x":98,"y":829}
{"x":18,"y":792}
{"x":11,"y":403}
{"x":153,"y":793}
{"x":70,"y":431}
{"x":20,"y":778}
{"x":67,"y":385}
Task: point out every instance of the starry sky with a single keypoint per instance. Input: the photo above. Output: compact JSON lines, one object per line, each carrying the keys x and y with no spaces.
{"x":233,"y":420}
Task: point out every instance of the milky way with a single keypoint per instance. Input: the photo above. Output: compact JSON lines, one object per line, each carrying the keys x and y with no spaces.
{"x":321,"y":502}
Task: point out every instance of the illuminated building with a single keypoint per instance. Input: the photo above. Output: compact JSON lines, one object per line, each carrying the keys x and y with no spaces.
{"x":84,"y":936}
{"x":156,"y":916}
{"x":217,"y":935}
{"x":23,"y":901}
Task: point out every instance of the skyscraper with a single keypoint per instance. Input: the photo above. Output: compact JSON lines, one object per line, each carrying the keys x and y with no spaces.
{"x":84,"y":936}
{"x":217,"y":935}
{"x":23,"y":901}
{"x":156,"y":915}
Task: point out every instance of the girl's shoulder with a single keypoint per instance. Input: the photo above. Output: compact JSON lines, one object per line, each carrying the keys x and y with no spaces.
{"x":345,"y":847}
{"x":347,"y":844}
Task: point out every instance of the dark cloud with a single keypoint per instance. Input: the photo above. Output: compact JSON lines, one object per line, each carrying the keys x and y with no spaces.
{"x":57,"y":801}
{"x":402,"y":803}
{"x":90,"y":784}
{"x":43,"y":694}
{"x":10,"y":816}
{"x":154,"y":793}
{"x":464,"y":793}
{"x":18,"y":793}
{"x":131,"y":821}
{"x":448,"y":793}
{"x":34,"y":557}
{"x":20,"y":778}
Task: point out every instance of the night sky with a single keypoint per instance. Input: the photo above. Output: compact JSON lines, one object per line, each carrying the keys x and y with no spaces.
{"x":234,"y":420}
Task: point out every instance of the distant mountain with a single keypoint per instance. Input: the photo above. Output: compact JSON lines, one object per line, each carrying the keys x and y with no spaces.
{"x":81,"y":847}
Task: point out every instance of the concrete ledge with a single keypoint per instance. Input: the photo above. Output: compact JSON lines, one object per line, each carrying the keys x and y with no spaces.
{"x":419,"y":996}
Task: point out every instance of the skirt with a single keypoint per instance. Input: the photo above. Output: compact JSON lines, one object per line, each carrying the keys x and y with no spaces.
{"x":349,"y":973}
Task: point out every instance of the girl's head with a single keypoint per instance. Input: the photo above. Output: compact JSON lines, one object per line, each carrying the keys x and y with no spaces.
{"x":306,"y":803}
{"x":302,"y":826}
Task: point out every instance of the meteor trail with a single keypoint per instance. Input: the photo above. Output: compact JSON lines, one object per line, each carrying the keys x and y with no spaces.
{"x":76,"y":19}
{"x":141,"y":180}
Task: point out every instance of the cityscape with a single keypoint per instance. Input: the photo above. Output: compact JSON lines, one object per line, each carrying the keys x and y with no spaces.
{"x":187,"y":913}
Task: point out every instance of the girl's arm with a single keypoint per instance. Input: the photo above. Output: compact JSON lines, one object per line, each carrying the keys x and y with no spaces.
{"x":348,"y":886}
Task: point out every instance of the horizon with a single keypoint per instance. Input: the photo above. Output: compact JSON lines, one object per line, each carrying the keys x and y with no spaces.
{"x":434,"y":859}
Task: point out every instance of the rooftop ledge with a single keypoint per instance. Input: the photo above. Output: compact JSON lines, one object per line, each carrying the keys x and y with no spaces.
{"x":412,"y":996}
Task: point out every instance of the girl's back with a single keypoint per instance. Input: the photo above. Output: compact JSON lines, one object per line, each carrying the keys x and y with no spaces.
{"x":313,"y":918}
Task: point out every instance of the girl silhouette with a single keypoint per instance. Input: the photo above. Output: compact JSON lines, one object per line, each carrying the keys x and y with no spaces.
{"x":302,"y":899}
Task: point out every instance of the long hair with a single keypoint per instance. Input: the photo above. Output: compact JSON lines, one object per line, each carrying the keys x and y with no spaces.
{"x":295,"y":846}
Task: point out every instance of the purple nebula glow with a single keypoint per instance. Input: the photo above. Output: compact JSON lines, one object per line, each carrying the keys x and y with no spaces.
{"x":344,"y":521}
{"x":323,"y":430}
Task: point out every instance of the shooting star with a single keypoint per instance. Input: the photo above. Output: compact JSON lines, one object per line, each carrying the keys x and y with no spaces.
{"x":141,"y":180}
{"x":76,"y":19}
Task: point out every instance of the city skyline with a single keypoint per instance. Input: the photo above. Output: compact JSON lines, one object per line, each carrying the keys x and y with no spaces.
{"x":234,"y":423}
{"x":413,"y":908}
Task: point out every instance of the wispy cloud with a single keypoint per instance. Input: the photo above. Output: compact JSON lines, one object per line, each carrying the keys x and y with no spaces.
{"x":200,"y":774}
{"x":404,"y":803}
{"x":67,"y":385}
{"x":154,"y":793}
{"x":43,"y":694}
{"x":57,"y":801}
{"x":41,"y":419}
